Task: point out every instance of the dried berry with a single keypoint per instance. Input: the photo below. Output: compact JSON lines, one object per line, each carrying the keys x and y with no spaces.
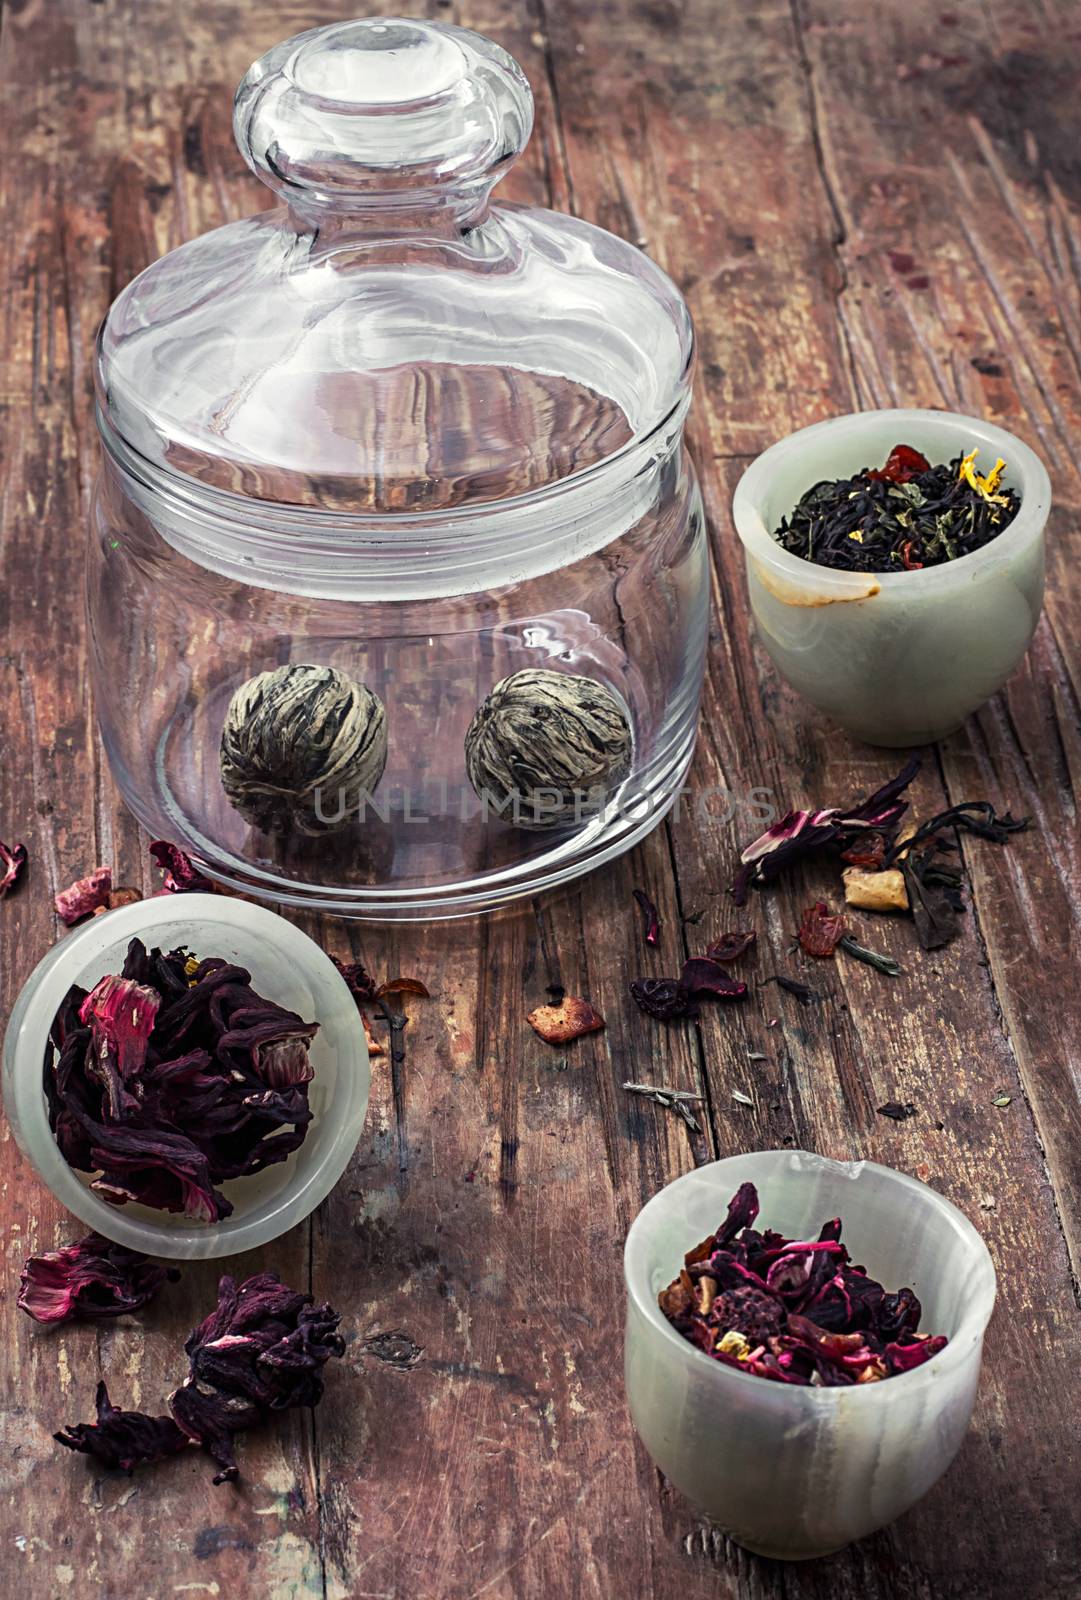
{"x":548,"y":748}
{"x":12,"y":863}
{"x":793,"y":1311}
{"x":303,"y":749}
{"x":89,"y":1280}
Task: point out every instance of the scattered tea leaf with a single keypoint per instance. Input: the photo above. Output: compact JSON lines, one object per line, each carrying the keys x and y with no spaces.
{"x":1002,"y":1099}
{"x":756,"y":1055}
{"x":881,"y":963}
{"x":677,"y":1100}
{"x":898,"y":1110}
{"x":800,"y":991}
{"x":741,"y":1098}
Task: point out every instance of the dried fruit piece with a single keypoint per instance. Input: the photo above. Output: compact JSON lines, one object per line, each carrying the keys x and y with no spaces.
{"x":651,"y":916}
{"x":12,"y":864}
{"x":402,"y":986}
{"x":730,"y":946}
{"x":875,"y":891}
{"x":89,"y":1280}
{"x":569,"y":1020}
{"x":84,"y":896}
{"x":821,"y":930}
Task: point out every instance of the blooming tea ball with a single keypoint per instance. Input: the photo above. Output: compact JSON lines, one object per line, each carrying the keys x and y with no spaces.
{"x":547,"y":748}
{"x":301,"y":748}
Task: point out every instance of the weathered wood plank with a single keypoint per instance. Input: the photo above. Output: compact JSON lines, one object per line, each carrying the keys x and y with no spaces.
{"x":785,"y":162}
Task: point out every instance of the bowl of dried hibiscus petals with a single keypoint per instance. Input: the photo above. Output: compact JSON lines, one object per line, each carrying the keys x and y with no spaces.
{"x":803,"y":1343}
{"x":188,"y":1074}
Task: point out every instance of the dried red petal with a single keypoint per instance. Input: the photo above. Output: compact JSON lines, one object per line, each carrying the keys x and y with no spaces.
{"x":651,"y":915}
{"x":821,"y":930}
{"x":84,"y":896}
{"x":361,"y":985}
{"x":906,"y":557}
{"x":730,"y":946}
{"x":89,"y":1280}
{"x":702,"y":975}
{"x":12,"y":863}
{"x":567,"y":1021}
{"x":123,"y":1439}
{"x":867,"y":850}
{"x":902,"y":465}
{"x":180,"y":875}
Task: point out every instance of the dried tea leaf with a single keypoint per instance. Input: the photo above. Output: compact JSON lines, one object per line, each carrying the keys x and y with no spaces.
{"x":565,"y":1022}
{"x":872,"y":958}
{"x":1002,"y":1099}
{"x":741,"y":1098}
{"x":897,"y":1110}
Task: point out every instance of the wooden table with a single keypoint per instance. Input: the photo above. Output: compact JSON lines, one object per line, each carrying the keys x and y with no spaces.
{"x":865,"y":205}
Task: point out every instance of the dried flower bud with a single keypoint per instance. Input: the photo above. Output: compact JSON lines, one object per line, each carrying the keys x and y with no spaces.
{"x":548,"y":748}
{"x":302,"y":748}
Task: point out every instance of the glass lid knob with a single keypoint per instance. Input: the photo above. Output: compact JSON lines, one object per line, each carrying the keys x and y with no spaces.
{"x":382,"y":112}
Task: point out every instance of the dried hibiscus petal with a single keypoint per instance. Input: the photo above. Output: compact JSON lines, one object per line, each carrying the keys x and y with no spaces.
{"x":180,"y":875}
{"x":360,"y":984}
{"x":902,"y":465}
{"x":821,"y":930}
{"x":730,"y":946}
{"x":85,"y":896}
{"x":790,"y":1310}
{"x":12,"y":863}
{"x":173,"y":1077}
{"x":651,"y":916}
{"x":570,"y":1019}
{"x":123,"y":1439}
{"x":671,"y":998}
{"x":89,"y":1280}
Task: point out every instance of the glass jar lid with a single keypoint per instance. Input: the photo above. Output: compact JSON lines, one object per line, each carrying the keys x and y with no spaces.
{"x":390,"y":342}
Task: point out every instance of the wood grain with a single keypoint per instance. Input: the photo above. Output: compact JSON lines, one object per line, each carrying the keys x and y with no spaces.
{"x":864,"y":206}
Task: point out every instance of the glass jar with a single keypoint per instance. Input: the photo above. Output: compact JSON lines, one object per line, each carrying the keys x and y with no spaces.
{"x":426,"y":441}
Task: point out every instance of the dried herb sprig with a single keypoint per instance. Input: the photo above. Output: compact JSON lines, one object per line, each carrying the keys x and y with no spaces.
{"x":886,"y":964}
{"x":901,"y":517}
{"x":677,"y":1100}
